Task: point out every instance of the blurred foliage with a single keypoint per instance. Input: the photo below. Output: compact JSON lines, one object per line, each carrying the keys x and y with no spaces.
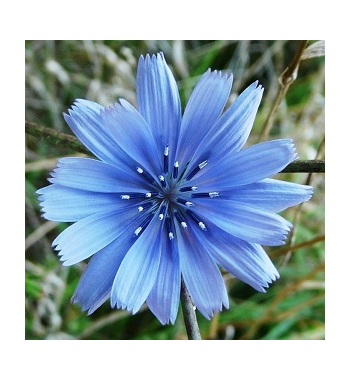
{"x":58,"y":72}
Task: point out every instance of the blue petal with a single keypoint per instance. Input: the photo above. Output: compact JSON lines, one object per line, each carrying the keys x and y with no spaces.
{"x":69,"y":205}
{"x":138,"y":271}
{"x":246,"y":261}
{"x":159,"y":102}
{"x":250,"y":165}
{"x":231,"y":130}
{"x":132,"y":135}
{"x":85,"y":121}
{"x":91,"y":234}
{"x":245,"y":221}
{"x":234,"y":126}
{"x":270,"y":194}
{"x":96,"y":176}
{"x":201,"y":275}
{"x":164,"y":298}
{"x":203,"y":109}
{"x":95,"y":285}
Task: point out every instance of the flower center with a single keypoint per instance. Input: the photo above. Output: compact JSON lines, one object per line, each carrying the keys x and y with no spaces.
{"x":169,"y":197}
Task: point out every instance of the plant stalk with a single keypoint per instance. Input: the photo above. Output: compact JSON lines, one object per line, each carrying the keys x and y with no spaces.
{"x":189,"y":313}
{"x":67,"y":140}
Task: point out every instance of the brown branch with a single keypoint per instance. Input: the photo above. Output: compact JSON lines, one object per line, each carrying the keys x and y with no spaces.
{"x":305,"y":166}
{"x":283,"y":293}
{"x":54,"y":137}
{"x":298,"y":246}
{"x":285,"y":80}
{"x":297,"y":215}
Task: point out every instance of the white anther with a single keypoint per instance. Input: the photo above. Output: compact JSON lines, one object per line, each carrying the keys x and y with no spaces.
{"x":161,"y":178}
{"x":166,"y":151}
{"x":140,"y":208}
{"x":125,"y":197}
{"x":148,"y":195}
{"x":203,"y":164}
{"x":138,"y":230}
{"x":214,"y":194}
{"x":176,"y":165}
{"x":184,"y":225}
{"x":139,"y":170}
{"x":202,"y":226}
{"x":161,"y":216}
{"x":188,"y":203}
{"x":171,"y":236}
{"x":194,"y":189}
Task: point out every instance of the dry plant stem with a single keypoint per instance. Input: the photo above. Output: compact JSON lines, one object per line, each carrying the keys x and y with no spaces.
{"x":305,"y":166}
{"x":52,"y":136}
{"x":104,"y":322}
{"x":39,"y":233}
{"x":40,"y":165}
{"x":49,"y":134}
{"x":292,"y":248}
{"x":214,"y":326}
{"x":287,"y":290}
{"x":189,"y":314}
{"x":286,"y":79}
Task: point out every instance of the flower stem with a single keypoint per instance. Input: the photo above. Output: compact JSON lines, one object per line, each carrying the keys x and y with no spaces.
{"x":189,"y":313}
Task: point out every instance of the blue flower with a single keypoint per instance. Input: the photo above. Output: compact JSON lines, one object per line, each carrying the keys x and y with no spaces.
{"x":170,"y":196}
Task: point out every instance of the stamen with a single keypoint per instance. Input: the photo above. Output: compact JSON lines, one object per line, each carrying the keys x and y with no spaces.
{"x":188,"y":189}
{"x":145,"y":174}
{"x":170,"y":229}
{"x":203,"y":164}
{"x":143,"y":225}
{"x":151,"y":194}
{"x":162,"y":181}
{"x":176,"y":170}
{"x":166,"y":159}
{"x":197,"y":169}
{"x":202,"y":226}
{"x":184,"y":202}
{"x":161,"y":212}
{"x":196,"y":219}
{"x":184,"y":225}
{"x":181,"y":219}
{"x":138,"y":231}
{"x":145,"y":206}
{"x":201,"y":195}
{"x":131,"y":196}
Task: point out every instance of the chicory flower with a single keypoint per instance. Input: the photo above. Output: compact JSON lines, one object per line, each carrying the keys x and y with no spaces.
{"x":170,"y":196}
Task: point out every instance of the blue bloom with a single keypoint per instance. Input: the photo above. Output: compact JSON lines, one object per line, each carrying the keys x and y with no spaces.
{"x":170,"y":196}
